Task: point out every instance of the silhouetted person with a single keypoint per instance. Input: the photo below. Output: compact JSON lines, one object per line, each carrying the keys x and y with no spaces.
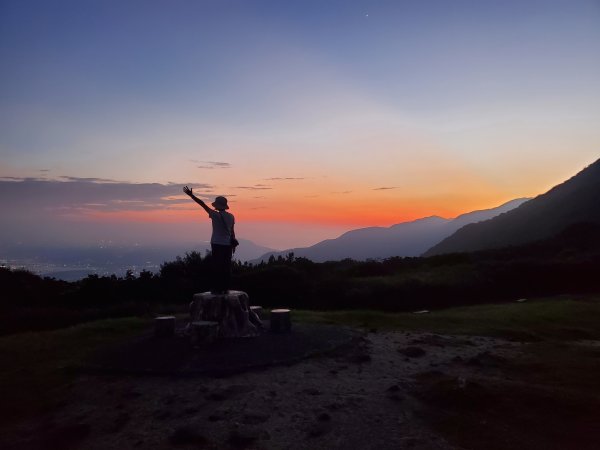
{"x":220,"y":242}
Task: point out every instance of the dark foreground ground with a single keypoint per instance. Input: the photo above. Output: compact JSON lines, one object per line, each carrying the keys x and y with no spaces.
{"x":517,"y":386}
{"x":148,"y":355}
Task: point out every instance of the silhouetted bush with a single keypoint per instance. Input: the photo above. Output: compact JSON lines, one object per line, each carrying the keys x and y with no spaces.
{"x":567,"y":263}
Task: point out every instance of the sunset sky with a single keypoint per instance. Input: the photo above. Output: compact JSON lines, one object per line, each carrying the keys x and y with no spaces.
{"x":312,"y":117}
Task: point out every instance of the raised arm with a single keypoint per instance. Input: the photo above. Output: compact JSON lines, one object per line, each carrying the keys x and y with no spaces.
{"x":189,"y":192}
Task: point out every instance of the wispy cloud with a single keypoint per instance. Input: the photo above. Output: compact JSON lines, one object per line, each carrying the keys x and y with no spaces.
{"x":213,"y":165}
{"x":342,"y":192}
{"x":256,"y":187}
{"x":62,"y":179}
{"x":87,"y":180}
{"x":284,"y":178}
{"x":385,"y":188}
{"x":119,"y":201}
{"x":13,"y":179}
{"x":79,"y":194}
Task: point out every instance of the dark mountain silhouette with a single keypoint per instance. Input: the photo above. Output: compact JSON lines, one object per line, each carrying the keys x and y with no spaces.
{"x":574,"y":201}
{"x":403,"y":239}
{"x":578,"y":243}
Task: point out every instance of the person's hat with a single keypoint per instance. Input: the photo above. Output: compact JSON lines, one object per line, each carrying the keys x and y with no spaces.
{"x":220,"y":203}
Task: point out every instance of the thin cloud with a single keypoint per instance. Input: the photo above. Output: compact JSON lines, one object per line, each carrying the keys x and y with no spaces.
{"x":213,"y":165}
{"x":119,"y":201}
{"x":88,"y":180}
{"x":23,"y":179}
{"x":342,"y":192}
{"x":89,"y":194}
{"x":258,"y":187}
{"x":284,"y":178}
{"x":12,"y":179}
{"x":385,"y":188}
{"x":175,"y":198}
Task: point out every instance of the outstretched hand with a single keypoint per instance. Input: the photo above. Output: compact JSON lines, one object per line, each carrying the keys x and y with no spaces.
{"x":189,"y":192}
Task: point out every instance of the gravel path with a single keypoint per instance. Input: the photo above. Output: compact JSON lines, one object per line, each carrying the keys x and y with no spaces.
{"x":361,"y":397}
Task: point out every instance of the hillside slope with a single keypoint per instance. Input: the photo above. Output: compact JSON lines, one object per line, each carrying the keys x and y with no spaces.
{"x":574,"y":201}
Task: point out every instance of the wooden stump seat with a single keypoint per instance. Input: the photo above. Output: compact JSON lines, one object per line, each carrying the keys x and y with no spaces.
{"x":281,"y":321}
{"x":164,"y":326}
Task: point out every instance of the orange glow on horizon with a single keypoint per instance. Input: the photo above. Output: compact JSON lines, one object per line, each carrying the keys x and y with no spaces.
{"x":350,"y":212}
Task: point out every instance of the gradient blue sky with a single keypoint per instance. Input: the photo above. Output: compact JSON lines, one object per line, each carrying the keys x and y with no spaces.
{"x":308,"y":114}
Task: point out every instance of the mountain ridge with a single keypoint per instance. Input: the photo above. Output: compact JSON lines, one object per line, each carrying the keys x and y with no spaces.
{"x":576,"y":199}
{"x":402,"y":239}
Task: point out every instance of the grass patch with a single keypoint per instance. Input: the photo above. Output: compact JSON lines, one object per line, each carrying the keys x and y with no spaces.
{"x":547,"y":318}
{"x":547,"y":397}
{"x":510,"y":416}
{"x":33,"y":364}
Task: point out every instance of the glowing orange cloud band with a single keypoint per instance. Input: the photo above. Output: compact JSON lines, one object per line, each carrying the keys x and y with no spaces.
{"x":320,"y":211}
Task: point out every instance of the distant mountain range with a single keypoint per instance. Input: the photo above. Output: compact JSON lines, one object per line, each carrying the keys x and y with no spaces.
{"x":577,"y":200}
{"x":403,"y":239}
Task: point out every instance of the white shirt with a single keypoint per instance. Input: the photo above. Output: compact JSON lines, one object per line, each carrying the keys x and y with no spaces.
{"x":221,"y":232}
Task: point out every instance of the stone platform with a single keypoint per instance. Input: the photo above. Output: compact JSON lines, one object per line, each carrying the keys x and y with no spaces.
{"x":149,"y":355}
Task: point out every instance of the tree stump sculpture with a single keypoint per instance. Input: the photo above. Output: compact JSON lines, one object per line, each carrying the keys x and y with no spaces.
{"x":231,"y":311}
{"x":203,"y":332}
{"x":258,"y":310}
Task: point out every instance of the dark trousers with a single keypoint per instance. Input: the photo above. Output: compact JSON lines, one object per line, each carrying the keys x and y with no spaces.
{"x":221,"y":267}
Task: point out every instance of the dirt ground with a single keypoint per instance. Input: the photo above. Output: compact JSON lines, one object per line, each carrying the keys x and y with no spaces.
{"x":395,"y":390}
